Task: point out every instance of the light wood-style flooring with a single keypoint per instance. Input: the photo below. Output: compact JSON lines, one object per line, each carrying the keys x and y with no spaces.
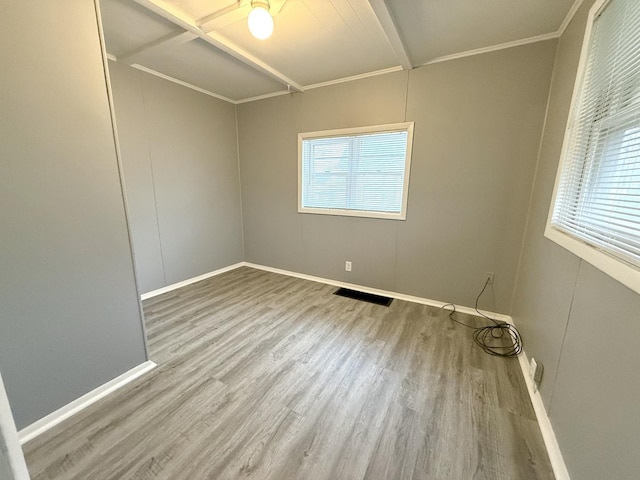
{"x":265,"y":376}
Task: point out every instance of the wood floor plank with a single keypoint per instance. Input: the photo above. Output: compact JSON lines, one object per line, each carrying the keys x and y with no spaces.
{"x":263,"y":376}
{"x":395,"y":452}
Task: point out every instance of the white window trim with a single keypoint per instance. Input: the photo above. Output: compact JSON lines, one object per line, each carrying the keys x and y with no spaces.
{"x":616,"y":268}
{"x":390,"y":127}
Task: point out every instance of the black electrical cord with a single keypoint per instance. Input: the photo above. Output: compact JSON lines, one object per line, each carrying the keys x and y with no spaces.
{"x":491,"y":337}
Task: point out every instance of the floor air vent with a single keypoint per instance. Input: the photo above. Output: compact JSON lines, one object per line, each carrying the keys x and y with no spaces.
{"x":365,"y":297}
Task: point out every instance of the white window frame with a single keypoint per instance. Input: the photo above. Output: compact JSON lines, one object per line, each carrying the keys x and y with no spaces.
{"x":616,"y":268}
{"x":391,"y":127}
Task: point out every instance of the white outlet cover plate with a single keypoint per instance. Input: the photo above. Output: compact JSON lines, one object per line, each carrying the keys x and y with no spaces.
{"x":533,"y":366}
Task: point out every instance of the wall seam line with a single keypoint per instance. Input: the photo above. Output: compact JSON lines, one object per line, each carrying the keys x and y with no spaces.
{"x":564,"y":337}
{"x":397,"y":226}
{"x":153,"y":180}
{"x":534,"y":181}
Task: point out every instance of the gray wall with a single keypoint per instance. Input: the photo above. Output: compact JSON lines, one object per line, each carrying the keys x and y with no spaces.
{"x":179,"y":153}
{"x":583,"y":325}
{"x":70,"y":318}
{"x":478,"y":122}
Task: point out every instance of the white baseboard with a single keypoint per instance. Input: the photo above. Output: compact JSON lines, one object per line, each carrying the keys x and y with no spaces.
{"x":54,"y":418}
{"x":377,"y":291}
{"x":12,"y":462}
{"x":550,"y":441}
{"x":189,"y":281}
{"x":328,"y":281}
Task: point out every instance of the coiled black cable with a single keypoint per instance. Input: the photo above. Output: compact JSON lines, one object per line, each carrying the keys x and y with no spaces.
{"x":491,"y":338}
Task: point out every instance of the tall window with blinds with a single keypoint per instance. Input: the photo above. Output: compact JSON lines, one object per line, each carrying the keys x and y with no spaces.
{"x":357,"y":171}
{"x":597,"y":193}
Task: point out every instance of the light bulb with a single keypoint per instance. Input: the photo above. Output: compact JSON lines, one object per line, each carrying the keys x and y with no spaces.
{"x":260,"y":23}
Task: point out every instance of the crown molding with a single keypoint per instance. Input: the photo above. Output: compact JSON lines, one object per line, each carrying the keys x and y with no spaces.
{"x":375,"y":73}
{"x":180,"y":82}
{"x":493,"y":48}
{"x":360,"y":76}
{"x":262,"y":97}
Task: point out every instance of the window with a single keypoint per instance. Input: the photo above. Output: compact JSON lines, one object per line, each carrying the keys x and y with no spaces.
{"x":595,"y":211}
{"x":360,"y":172}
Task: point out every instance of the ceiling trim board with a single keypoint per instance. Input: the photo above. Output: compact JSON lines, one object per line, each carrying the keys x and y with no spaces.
{"x":493,"y":48}
{"x":354,"y":77}
{"x":180,"y":82}
{"x":385,"y":18}
{"x":262,"y":97}
{"x":324,"y":84}
{"x":178,"y":17}
{"x":173,"y":39}
{"x":570,"y":14}
{"x":207,"y":25}
{"x":215,"y":15}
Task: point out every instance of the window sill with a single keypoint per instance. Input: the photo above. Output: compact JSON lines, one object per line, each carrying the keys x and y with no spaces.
{"x":353,"y":213}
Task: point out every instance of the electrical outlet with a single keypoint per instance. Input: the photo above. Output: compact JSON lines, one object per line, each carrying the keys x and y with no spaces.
{"x":488,"y":277}
{"x":533,"y":366}
{"x":347,"y":266}
{"x":535,"y":372}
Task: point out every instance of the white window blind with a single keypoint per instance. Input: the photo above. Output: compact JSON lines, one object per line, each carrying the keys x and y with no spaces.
{"x":597,"y":197}
{"x":362,"y":171}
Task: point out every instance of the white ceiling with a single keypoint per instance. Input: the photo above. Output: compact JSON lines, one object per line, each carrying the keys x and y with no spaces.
{"x":206,"y":43}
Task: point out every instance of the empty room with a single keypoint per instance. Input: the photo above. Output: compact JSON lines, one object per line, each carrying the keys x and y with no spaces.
{"x":320,"y":239}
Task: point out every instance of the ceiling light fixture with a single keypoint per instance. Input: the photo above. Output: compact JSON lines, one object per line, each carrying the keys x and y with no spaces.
{"x":260,"y":21}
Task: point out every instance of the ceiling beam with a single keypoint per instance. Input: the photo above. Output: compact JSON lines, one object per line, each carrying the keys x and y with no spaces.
{"x":214,"y":21}
{"x":233,"y":8}
{"x":178,"y":17}
{"x":388,"y":24}
{"x":173,"y":39}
